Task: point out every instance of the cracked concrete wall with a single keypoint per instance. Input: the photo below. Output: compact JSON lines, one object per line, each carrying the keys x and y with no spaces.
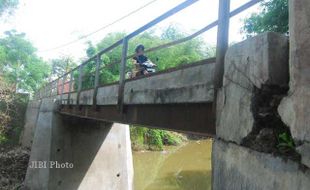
{"x":251,"y":65}
{"x":295,"y":109}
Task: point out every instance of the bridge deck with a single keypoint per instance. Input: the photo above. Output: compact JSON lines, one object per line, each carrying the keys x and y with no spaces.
{"x":179,"y":99}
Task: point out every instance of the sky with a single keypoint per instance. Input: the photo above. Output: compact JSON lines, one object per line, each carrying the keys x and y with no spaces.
{"x":52,"y":23}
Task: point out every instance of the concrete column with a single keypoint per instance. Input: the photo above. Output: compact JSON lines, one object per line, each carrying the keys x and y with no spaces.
{"x":32,"y":114}
{"x":78,"y":153}
{"x":100,"y":153}
{"x":37,"y":177}
{"x":295,"y":109}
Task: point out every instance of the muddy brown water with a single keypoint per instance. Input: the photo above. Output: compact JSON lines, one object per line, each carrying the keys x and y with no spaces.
{"x":186,"y":167}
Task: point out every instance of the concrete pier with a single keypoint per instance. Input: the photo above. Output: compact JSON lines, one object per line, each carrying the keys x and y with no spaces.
{"x":78,"y":153}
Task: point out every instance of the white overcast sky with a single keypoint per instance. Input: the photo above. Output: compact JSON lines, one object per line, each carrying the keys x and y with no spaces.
{"x":51,"y":23}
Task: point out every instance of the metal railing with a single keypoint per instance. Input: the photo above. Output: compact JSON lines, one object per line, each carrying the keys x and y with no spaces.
{"x":72,"y":81}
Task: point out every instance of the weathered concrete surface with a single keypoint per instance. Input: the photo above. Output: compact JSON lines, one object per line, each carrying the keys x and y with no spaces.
{"x":100,"y":153}
{"x":107,"y":95}
{"x":185,"y":85}
{"x":37,"y":178}
{"x":238,"y":168}
{"x":304,"y":151}
{"x":253,"y":62}
{"x":295,"y":109}
{"x":86,"y":97}
{"x":32,"y":113}
{"x":192,"y":84}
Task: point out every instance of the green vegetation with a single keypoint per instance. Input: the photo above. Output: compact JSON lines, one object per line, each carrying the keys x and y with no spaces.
{"x":21,"y":70}
{"x":8,"y":6}
{"x":20,"y":65}
{"x":273,"y":17}
{"x":12,"y":112}
{"x":62,"y":65}
{"x":184,"y":53}
{"x":153,"y":139}
{"x":285,"y":141}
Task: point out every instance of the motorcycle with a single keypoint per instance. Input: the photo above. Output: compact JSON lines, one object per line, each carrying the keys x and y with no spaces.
{"x":143,"y":69}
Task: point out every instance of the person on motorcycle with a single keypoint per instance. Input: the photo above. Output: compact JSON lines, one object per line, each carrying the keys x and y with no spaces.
{"x":141,"y":62}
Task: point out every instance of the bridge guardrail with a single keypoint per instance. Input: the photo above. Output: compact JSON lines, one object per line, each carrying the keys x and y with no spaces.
{"x":72,"y":81}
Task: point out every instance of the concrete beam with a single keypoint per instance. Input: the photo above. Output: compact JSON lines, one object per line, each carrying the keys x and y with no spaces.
{"x":194,"y":117}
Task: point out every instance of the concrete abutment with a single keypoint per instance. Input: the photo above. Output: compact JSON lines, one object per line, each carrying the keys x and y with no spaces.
{"x":254,"y":108}
{"x":78,"y":153}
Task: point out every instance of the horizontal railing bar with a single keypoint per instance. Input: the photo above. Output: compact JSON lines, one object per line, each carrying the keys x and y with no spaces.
{"x":147,"y":26}
{"x":243,"y":7}
{"x":204,"y":29}
{"x":143,"y":28}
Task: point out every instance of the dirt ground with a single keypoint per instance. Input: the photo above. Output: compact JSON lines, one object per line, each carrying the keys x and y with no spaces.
{"x":13,"y":167}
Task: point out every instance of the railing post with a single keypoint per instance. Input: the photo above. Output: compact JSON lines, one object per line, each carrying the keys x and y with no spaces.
{"x":79,"y":84}
{"x":222,"y":41}
{"x":221,"y":48}
{"x":62,"y":88}
{"x":54,"y":93}
{"x":40,"y":93}
{"x":96,"y":85}
{"x":122,"y":70}
{"x":70,"y":87}
{"x":51,"y":88}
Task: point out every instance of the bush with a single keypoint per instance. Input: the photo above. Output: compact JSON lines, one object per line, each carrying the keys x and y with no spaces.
{"x":153,"y":139}
{"x":12,"y":111}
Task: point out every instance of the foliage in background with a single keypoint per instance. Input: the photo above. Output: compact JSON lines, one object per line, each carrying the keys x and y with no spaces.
{"x":184,"y":53}
{"x":8,"y":6}
{"x":19,"y":63}
{"x":61,"y":66}
{"x":12,"y":111}
{"x":273,"y":17}
{"x":6,"y":101}
{"x":153,"y":139}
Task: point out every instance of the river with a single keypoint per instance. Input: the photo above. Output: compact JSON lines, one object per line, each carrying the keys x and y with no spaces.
{"x":186,"y":167}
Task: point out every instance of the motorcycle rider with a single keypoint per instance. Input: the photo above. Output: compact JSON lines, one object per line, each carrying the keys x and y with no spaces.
{"x":138,"y":60}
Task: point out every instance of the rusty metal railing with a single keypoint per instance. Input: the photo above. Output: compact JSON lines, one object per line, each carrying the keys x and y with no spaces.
{"x":72,"y":81}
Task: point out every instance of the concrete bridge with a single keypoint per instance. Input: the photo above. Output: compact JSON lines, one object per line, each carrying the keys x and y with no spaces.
{"x":83,"y":127}
{"x":179,"y":99}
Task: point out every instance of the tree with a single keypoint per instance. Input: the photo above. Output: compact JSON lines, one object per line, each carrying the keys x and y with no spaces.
{"x":62,"y":65}
{"x":19,"y":64}
{"x":7,"y":6}
{"x":273,"y":17}
{"x":184,"y":53}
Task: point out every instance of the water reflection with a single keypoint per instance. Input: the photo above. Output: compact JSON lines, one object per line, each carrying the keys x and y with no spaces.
{"x":177,"y":168}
